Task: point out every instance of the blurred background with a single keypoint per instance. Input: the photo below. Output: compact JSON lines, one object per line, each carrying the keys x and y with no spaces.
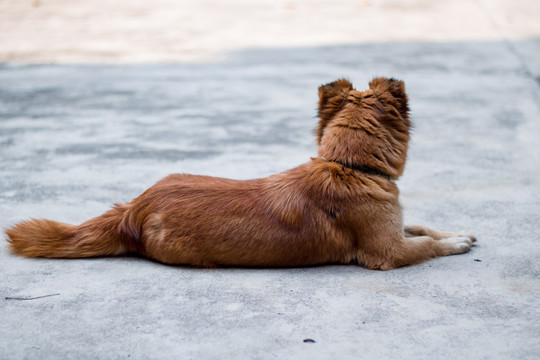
{"x":138,"y":31}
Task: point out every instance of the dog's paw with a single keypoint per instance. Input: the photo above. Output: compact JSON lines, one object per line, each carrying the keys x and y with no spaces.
{"x":457,"y":244}
{"x":465,"y":234}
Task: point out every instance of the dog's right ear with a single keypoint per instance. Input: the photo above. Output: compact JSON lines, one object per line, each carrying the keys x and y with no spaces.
{"x":331,"y":96}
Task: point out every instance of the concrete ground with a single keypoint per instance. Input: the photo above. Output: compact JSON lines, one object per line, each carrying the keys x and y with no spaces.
{"x":91,"y":128}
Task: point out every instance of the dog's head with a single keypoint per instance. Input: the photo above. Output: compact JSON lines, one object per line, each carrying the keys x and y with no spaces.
{"x":368,"y":128}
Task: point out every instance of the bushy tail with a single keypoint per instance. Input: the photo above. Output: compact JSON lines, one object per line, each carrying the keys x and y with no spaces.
{"x":100,"y":236}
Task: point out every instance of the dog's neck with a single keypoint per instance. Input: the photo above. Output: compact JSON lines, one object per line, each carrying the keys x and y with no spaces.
{"x":370,"y":170}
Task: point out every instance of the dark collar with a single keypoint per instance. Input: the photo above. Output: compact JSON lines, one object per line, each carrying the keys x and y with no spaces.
{"x":370,"y":170}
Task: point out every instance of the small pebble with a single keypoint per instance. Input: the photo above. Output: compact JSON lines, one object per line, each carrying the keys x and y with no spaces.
{"x":477,"y":260}
{"x":309,"y":340}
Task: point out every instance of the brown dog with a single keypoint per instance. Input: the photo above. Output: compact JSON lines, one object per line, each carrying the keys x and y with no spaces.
{"x":339,"y":208}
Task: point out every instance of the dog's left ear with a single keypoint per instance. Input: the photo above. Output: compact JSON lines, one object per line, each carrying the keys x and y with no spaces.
{"x":331,"y":96}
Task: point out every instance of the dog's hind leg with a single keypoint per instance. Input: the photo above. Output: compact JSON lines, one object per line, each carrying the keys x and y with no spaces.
{"x":418,"y":230}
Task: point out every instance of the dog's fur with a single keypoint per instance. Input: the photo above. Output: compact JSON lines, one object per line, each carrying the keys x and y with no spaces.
{"x":341,"y":207}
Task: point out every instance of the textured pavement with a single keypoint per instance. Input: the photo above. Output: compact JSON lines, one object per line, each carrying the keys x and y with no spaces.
{"x":76,"y":138}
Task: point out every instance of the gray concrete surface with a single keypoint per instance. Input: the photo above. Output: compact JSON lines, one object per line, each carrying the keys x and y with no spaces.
{"x":76,"y":138}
